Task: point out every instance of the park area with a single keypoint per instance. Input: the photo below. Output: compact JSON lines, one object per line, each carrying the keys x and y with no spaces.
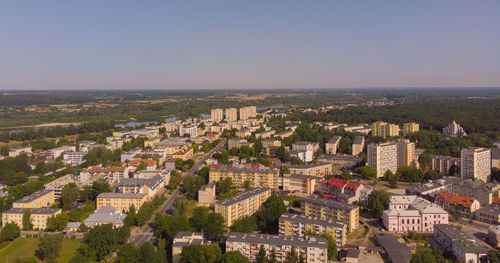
{"x":25,"y":248}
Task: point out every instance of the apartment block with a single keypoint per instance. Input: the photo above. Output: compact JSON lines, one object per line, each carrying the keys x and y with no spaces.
{"x":183,"y":239}
{"x":385,"y":130}
{"x":329,"y":208}
{"x":454,"y":130}
{"x":73,"y":158}
{"x":258,"y":175}
{"x":39,"y":199}
{"x":314,"y":249}
{"x":489,"y":214}
{"x":358,"y":145}
{"x":475,"y":163}
{"x":242,"y":204}
{"x":383,"y":157}
{"x":248,"y":112}
{"x":410,"y":127}
{"x":232,"y":114}
{"x":413,"y":213}
{"x":406,"y":152}
{"x":216,"y":115}
{"x":38,"y":217}
{"x":192,"y":131}
{"x":306,"y":146}
{"x":121,"y":201}
{"x":316,"y":169}
{"x":299,"y":183}
{"x":237,"y":143}
{"x":442,"y":164}
{"x":299,"y":225}
{"x":58,"y":184}
{"x":332,"y":145}
{"x":455,"y":241}
{"x":270,"y":143}
{"x":206,"y":194}
{"x":150,"y":186}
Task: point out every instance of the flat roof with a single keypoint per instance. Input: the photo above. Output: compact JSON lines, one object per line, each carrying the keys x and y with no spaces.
{"x":121,"y":195}
{"x":34,"y":196}
{"x":307,"y":241}
{"x":314,"y":199}
{"x":34,"y":211}
{"x":242,"y":196}
{"x":312,"y":220}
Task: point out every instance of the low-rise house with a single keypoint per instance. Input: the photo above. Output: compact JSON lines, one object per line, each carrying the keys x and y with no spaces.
{"x":105,"y":215}
{"x":479,"y":190}
{"x":121,"y":201}
{"x":462,"y":205}
{"x":317,"y":169}
{"x":347,"y":191}
{"x":183,"y":239}
{"x":329,"y":208}
{"x":413,"y":213}
{"x":39,"y":199}
{"x":299,"y":225}
{"x":38,"y":217}
{"x":134,"y":163}
{"x":395,"y":250}
{"x":150,"y":186}
{"x":206,"y":194}
{"x":455,"y":241}
{"x":489,"y":214}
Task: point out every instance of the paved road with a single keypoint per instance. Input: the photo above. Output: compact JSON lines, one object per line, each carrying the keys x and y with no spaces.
{"x":146,"y":234}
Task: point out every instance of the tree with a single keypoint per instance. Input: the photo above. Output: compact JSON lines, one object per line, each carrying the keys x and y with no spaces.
{"x":269,"y":214}
{"x":204,"y":173}
{"x":234,"y":257}
{"x":141,"y":166}
{"x":493,"y":256}
{"x":425,"y":161}
{"x":409,"y":174}
{"x":58,"y":222}
{"x":261,"y":257}
{"x":215,"y":228}
{"x":162,"y":252}
{"x":128,"y":253}
{"x":49,"y":247}
{"x":148,"y":254}
{"x":175,"y":180}
{"x":245,"y":224}
{"x":180,"y":204}
{"x":27,"y":225}
{"x":69,"y":195}
{"x":285,"y":169}
{"x":199,"y":219}
{"x":272,"y":256}
{"x":331,"y":245}
{"x":247,"y":184}
{"x":426,"y":255}
{"x":168,"y":226}
{"x":366,"y":172}
{"x":101,"y":240}
{"x":9,"y":232}
{"x":292,"y":256}
{"x":130,"y":219}
{"x":378,"y":202}
{"x":191,"y":186}
{"x":201,"y":253}
{"x":98,"y":187}
{"x":178,"y":164}
{"x":223,"y":186}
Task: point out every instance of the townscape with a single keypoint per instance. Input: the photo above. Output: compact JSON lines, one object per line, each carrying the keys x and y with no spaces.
{"x":255,"y":184}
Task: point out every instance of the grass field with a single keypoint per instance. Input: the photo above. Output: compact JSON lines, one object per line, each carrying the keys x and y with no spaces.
{"x":25,"y":248}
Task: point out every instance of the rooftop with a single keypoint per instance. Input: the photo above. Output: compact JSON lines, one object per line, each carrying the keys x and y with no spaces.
{"x":314,"y":199}
{"x":307,"y":241}
{"x":34,"y":211}
{"x":455,"y":199}
{"x":33,"y":196}
{"x":359,"y":140}
{"x":312,"y":220}
{"x":242,"y":196}
{"x":121,"y":195}
{"x":335,"y":139}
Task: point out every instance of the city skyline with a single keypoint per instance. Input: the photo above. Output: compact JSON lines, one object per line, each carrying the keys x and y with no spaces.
{"x":259,"y":45}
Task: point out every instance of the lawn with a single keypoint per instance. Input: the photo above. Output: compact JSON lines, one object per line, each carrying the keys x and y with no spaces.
{"x":25,"y":248}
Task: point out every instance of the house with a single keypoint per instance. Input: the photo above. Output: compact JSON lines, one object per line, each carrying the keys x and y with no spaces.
{"x":134,"y":163}
{"x":462,"y":205}
{"x":347,"y":191}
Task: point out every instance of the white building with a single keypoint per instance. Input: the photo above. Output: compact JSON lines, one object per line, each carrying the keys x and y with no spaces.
{"x":454,"y":130}
{"x":191,"y":130}
{"x":56,"y":152}
{"x":73,"y":158}
{"x":475,"y":163}
{"x":383,"y":157}
{"x":455,"y":241}
{"x":304,"y":155}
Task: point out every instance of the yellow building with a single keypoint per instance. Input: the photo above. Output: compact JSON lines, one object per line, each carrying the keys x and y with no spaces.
{"x":184,"y":153}
{"x":42,"y":198}
{"x":121,"y":201}
{"x":241,"y":205}
{"x":410,"y":127}
{"x":329,"y":208}
{"x":38,"y":217}
{"x":384,"y":130}
{"x":299,"y":225}
{"x":257,"y":176}
{"x":151,"y":142}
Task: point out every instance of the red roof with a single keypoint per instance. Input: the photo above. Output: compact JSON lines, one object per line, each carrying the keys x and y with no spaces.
{"x":496,"y":201}
{"x":351,"y":185}
{"x":329,"y":196}
{"x":455,"y":199}
{"x":136,"y":162}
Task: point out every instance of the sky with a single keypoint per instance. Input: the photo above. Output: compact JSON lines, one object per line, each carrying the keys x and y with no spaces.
{"x":268,"y":44}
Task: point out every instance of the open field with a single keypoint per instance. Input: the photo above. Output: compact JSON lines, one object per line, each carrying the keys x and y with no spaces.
{"x":25,"y":248}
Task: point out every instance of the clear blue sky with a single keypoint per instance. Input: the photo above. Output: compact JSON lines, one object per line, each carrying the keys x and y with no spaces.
{"x":106,"y":44}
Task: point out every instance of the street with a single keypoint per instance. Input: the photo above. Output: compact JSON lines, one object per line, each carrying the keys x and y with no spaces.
{"x":147,"y":232}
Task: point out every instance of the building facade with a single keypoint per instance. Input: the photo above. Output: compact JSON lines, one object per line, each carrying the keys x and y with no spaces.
{"x":38,"y":217}
{"x":358,"y":145}
{"x":455,"y":241}
{"x":257,"y":176}
{"x":465,"y":206}
{"x":231,"y":114}
{"x":318,"y":170}
{"x":299,"y":225}
{"x":329,"y":208}
{"x":216,"y":115}
{"x":39,"y":199}
{"x":383,"y":157}
{"x":241,"y":205}
{"x":332,"y":145}
{"x":475,"y":163}
{"x":410,"y":127}
{"x":121,"y":201}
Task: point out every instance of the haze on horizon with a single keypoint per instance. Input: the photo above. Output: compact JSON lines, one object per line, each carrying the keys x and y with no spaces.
{"x":248,"y":45}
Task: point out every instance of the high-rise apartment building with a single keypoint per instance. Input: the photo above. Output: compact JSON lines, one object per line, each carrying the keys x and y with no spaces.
{"x":385,"y":130}
{"x":406,"y":152}
{"x":241,"y":205}
{"x":475,"y":163}
{"x":358,"y":145}
{"x":216,"y":115}
{"x":410,"y":127}
{"x":248,"y":112}
{"x":383,"y":157}
{"x":231,"y":114}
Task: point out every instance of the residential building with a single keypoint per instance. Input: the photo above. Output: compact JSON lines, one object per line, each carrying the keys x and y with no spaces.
{"x":192,"y":131}
{"x":58,"y":184}
{"x":184,"y":153}
{"x":105,"y":215}
{"x":495,"y":157}
{"x":206,"y":194}
{"x":489,"y":214}
{"x":358,"y":145}
{"x":232,"y":114}
{"x":149,"y":163}
{"x":216,"y":115}
{"x":306,"y":146}
{"x":304,"y":155}
{"x":299,"y":225}
{"x":429,"y":189}
{"x":183,"y":239}
{"x":314,"y":249}
{"x":243,"y":133}
{"x":383,"y":157}
{"x":150,"y":186}
{"x":346,"y":191}
{"x":385,"y":130}
{"x":413,"y":213}
{"x":352,"y":256}
{"x":121,"y":201}
{"x":454,"y":130}
{"x":237,"y":143}
{"x":396,"y":251}
{"x":475,"y":163}
{"x":38,"y":216}
{"x":410,"y":127}
{"x":258,"y":175}
{"x":332,"y":145}
{"x":264,"y":134}
{"x":455,"y":241}
{"x":316,"y":169}
{"x":270,"y":143}
{"x":13,"y":152}
{"x":112,"y":174}
{"x":248,"y":112}
{"x":442,"y":164}
{"x":406,"y":152}
{"x":329,"y":208}
{"x":299,"y":183}
{"x":284,"y":134}
{"x":39,"y":199}
{"x":479,"y":190}
{"x":341,"y":161}
{"x":56,"y":152}
{"x":465,"y":206}
{"x":73,"y":158}
{"x":148,"y":174}
{"x":242,"y":204}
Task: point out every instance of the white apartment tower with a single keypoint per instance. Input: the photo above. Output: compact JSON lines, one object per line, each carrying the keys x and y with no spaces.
{"x":248,"y":112}
{"x":216,"y":115}
{"x":475,"y":163}
{"x":231,"y":114}
{"x":383,"y":157}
